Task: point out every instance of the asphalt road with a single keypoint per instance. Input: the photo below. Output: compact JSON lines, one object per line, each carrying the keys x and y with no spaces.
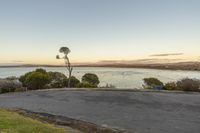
{"x":140,"y":112}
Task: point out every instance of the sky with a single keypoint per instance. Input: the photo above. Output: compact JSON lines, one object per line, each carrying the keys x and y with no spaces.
{"x":32,"y":31}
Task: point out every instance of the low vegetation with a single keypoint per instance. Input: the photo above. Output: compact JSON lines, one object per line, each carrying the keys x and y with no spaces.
{"x":86,"y":85}
{"x":171,"y":86}
{"x":188,"y":84}
{"x":9,"y":85}
{"x":90,"y":79}
{"x":181,"y":85}
{"x":74,"y":82}
{"x":40,"y":79}
{"x":57,"y":80}
{"x":11,"y":122}
{"x":152,"y":83}
{"x":37,"y":79}
{"x":111,"y":86}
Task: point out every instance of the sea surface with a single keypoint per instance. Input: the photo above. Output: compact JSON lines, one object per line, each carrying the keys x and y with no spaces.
{"x":119,"y":77}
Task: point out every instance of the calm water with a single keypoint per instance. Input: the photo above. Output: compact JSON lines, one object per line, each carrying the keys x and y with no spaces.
{"x":119,"y":77}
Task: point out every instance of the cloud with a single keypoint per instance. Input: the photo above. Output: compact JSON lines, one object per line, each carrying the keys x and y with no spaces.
{"x":17,"y":61}
{"x":168,"y":54}
{"x":141,"y":61}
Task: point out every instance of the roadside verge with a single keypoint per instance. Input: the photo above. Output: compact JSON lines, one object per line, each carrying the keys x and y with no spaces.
{"x":83,"y":126}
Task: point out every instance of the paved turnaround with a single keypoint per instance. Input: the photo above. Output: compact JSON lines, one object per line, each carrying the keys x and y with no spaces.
{"x":135,"y":111}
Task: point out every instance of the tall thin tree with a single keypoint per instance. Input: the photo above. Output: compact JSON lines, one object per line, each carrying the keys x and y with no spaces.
{"x":66,"y":51}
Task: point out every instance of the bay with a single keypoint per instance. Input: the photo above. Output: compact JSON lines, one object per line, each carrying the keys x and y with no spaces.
{"x":122,"y":78}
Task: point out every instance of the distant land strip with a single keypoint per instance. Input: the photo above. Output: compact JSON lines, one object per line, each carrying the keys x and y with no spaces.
{"x":193,"y":66}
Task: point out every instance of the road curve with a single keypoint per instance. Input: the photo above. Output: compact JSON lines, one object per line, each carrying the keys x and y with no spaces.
{"x":134,"y":111}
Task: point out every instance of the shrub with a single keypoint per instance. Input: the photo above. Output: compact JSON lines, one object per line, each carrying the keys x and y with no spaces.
{"x":108,"y":86}
{"x":57,"y":76}
{"x":57,"y":79}
{"x":40,"y":70}
{"x":56,"y":84}
{"x":40,"y":79}
{"x":171,"y":86}
{"x":151,"y":83}
{"x":37,"y":79}
{"x":74,"y":82}
{"x":12,"y":78}
{"x":9,"y":85}
{"x":20,"y":89}
{"x":22,"y":78}
{"x":91,"y":79}
{"x":86,"y":85}
{"x":188,"y":84}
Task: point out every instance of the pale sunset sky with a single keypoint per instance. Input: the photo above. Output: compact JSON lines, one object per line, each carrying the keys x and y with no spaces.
{"x":32,"y":31}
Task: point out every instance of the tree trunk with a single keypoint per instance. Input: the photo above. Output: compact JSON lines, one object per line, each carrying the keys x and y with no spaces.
{"x":69,"y":70}
{"x":69,"y":80}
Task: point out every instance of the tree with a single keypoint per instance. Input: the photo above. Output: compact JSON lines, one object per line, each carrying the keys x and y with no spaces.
{"x":91,"y":79}
{"x":66,"y":51}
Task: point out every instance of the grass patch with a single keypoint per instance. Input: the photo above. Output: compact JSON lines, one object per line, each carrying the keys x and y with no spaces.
{"x":11,"y":122}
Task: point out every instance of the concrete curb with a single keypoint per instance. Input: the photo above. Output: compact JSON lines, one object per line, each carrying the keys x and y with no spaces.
{"x":80,"y":125}
{"x":118,"y":90}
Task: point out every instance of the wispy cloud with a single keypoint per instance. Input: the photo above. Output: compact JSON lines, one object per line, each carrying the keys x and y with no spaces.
{"x":167,"y":54}
{"x":141,"y":61}
{"x":16,"y":61}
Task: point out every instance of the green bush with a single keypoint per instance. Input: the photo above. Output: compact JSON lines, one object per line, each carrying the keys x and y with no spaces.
{"x":57,"y":79}
{"x":40,"y":70}
{"x":20,"y":89}
{"x":184,"y":85}
{"x":40,"y":79}
{"x":91,"y":79}
{"x":56,"y":84}
{"x":57,"y":76}
{"x":37,"y":79}
{"x":22,"y":78}
{"x":74,"y":82}
{"x":151,"y":83}
{"x":108,"y":86}
{"x":86,"y":85}
{"x":189,"y":84}
{"x":171,"y":86}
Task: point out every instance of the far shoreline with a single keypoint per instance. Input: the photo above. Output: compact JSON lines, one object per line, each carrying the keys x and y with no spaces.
{"x":174,"y":66}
